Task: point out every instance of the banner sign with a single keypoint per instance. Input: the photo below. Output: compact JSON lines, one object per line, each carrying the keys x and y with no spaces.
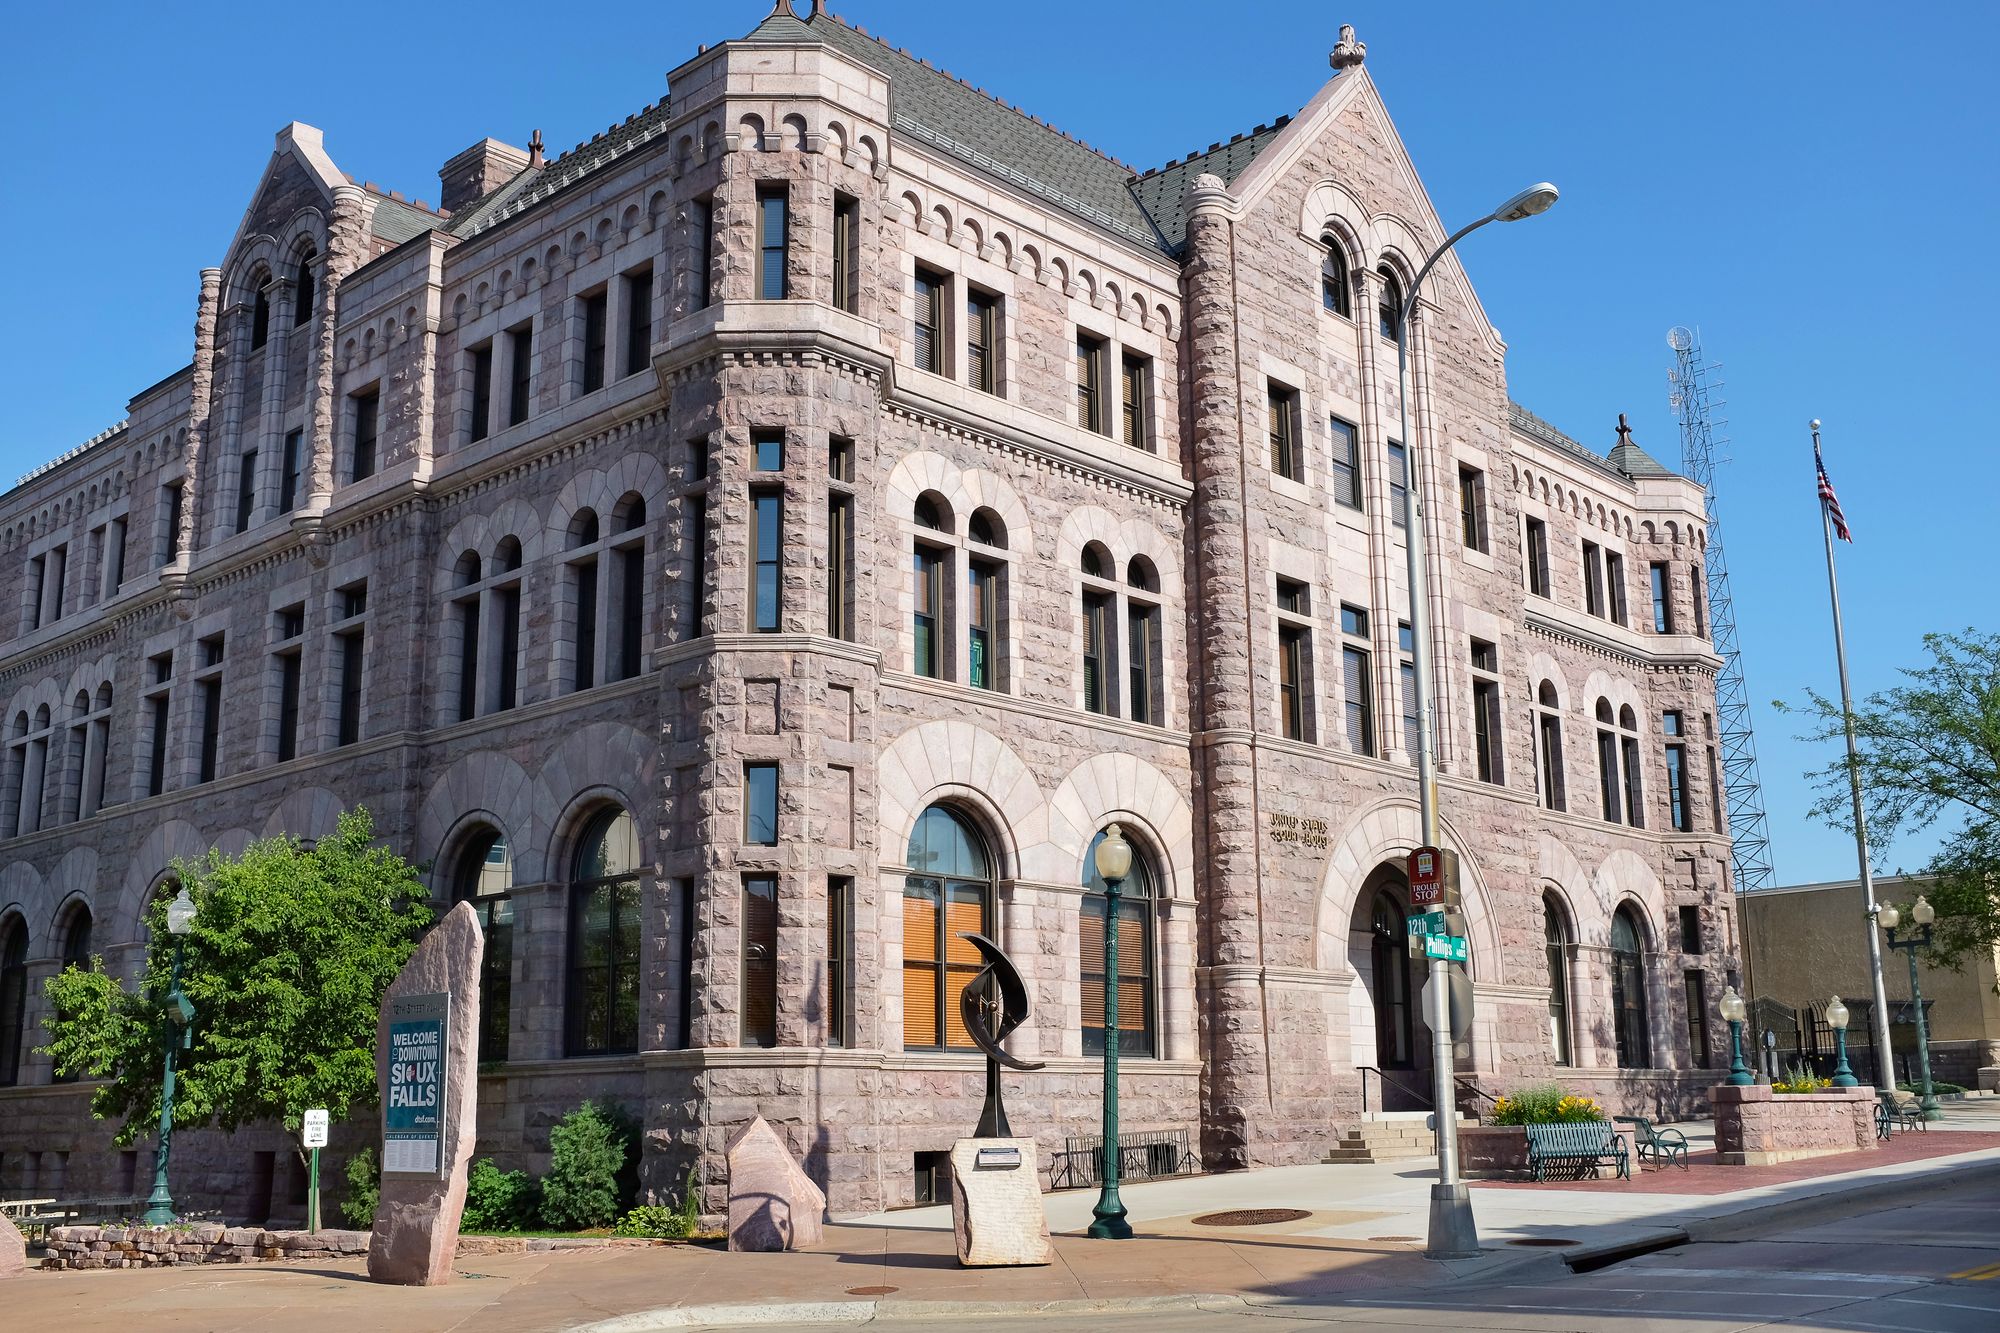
{"x":413,"y":1103}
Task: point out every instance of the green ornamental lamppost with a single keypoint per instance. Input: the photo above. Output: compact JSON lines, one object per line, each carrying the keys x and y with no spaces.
{"x":1114,"y":862}
{"x":1836,"y":1018}
{"x":1923,"y":914}
{"x":180,"y":1014}
{"x":1731,"y":1005}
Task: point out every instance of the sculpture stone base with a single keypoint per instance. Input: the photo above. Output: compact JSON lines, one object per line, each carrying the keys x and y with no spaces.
{"x":416,"y":1222}
{"x":996,"y":1204}
{"x":773,"y":1203}
{"x":13,"y":1250}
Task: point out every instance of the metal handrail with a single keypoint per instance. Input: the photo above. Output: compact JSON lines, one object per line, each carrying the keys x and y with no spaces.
{"x":1467,"y":1085}
{"x":1366,"y":1070}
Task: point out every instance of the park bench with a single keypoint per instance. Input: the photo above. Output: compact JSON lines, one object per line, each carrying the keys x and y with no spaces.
{"x":1897,"y":1110}
{"x":1659,"y":1146}
{"x":1592,"y":1143}
{"x":1145,"y":1154}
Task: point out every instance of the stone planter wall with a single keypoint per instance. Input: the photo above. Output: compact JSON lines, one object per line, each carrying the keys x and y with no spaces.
{"x":1500,"y":1152}
{"x":205,"y":1243}
{"x":1757,"y":1127}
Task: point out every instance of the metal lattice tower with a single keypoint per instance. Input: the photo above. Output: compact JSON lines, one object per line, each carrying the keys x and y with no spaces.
{"x":1691,"y":382}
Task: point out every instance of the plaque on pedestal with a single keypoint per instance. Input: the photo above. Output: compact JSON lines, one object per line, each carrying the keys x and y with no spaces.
{"x":996,"y":1203}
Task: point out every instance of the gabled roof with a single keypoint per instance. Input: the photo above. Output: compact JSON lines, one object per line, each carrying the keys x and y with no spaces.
{"x":1161,"y":190}
{"x":586,"y":159}
{"x":1627,"y":460}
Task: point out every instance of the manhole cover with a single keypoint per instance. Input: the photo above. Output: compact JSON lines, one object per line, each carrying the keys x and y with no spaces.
{"x":1251,"y":1217}
{"x":872,"y":1291}
{"x":1542,"y":1242}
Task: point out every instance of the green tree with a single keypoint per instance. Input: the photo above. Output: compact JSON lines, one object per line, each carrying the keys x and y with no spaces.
{"x":291,"y":951}
{"x":1929,"y":750}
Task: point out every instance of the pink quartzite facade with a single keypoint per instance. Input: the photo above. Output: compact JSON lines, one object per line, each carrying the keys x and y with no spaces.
{"x":750,"y":548}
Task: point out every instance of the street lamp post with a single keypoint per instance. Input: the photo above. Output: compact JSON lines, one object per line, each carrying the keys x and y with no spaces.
{"x":1732,"y":1008}
{"x":1453,"y":1233}
{"x":180,"y":920}
{"x":1836,"y":1018}
{"x":1114,"y":862}
{"x":1923,"y":914}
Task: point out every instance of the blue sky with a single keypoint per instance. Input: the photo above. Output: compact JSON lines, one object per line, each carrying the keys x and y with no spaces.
{"x":1811,"y":185}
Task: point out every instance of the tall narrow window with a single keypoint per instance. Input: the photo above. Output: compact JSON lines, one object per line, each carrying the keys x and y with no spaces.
{"x":307,"y":297}
{"x":773,"y":283}
{"x":1406,"y":673}
{"x":507,"y":652}
{"x":927,"y":336}
{"x":701,"y":221}
{"x":1549,"y":748}
{"x":208,"y":686}
{"x":847,"y":253}
{"x":367,"y":425}
{"x":1281,"y":412}
{"x":638,"y":321}
{"x":1609,"y":786}
{"x":485,"y":878}
{"x":1389,"y":967}
{"x":288,"y":476}
{"x":1294,"y":654}
{"x":1663,"y":605}
{"x":1142,"y":657}
{"x":926,"y":611}
{"x":760,"y":960}
{"x":1680,"y":812}
{"x":596,"y":331}
{"x":176,"y":499}
{"x":982,"y":617}
{"x":1593,"y":579}
{"x":1628,"y":749}
{"x":767,"y":510}
{"x":1628,"y":993}
{"x":1689,"y":917}
{"x":697,"y":580}
{"x":982,"y":346}
{"x":13,"y":998}
{"x":630,"y":562}
{"x":1357,"y":690}
{"x":290,"y":658}
{"x":260,"y":316}
{"x":350,"y":641}
{"x":1488,"y":749}
{"x":601,"y":1014}
{"x":482,"y":392}
{"x":1399,"y":485}
{"x":522,"y":375}
{"x":1537,"y":546}
{"x":1136,"y":1021}
{"x":839,"y":952}
{"x":1614,"y":584}
{"x":1719,"y":824}
{"x":1700,"y":607}
{"x":1097,"y":652}
{"x":1555,"y":941}
{"x":1333,"y":293}
{"x":1090,"y":354}
{"x":1696,"y":984}
{"x":114,"y":557}
{"x":1389,"y":310}
{"x":948,"y":891}
{"x":760,"y":805}
{"x":584,"y":533}
{"x":246,"y":493}
{"x":1472,"y":508}
{"x":840,"y":565}
{"x":468,"y":645}
{"x":1134,"y":391}
{"x":1346,"y":462}
{"x":159,"y":707}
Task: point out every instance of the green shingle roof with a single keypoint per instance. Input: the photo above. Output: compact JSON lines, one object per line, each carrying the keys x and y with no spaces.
{"x":1160,"y":191}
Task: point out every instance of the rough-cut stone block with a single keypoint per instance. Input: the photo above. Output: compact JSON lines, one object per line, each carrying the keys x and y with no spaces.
{"x":416,"y":1224}
{"x":996,"y":1212}
{"x":773,"y":1204}
{"x":13,"y":1250}
{"x":1755,"y":1126}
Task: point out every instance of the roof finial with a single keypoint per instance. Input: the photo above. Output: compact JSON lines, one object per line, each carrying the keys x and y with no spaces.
{"x":535,"y":149}
{"x":1347,"y":53}
{"x":1624,"y":431}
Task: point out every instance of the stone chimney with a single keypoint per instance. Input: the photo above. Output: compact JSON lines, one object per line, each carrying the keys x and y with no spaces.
{"x":477,"y":172}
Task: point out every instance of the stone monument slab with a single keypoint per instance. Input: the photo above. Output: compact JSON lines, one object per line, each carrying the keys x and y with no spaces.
{"x":773,"y":1203}
{"x":430,"y":1099}
{"x":13,"y":1250}
{"x":996,"y":1204}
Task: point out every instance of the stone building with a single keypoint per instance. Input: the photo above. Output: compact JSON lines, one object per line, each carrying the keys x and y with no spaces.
{"x":774,"y":536}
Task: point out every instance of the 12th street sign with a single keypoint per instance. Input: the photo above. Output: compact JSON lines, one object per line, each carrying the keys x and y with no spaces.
{"x":1427,"y":923}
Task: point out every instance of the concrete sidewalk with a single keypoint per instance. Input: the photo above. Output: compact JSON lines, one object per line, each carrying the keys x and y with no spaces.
{"x":1363,"y":1235}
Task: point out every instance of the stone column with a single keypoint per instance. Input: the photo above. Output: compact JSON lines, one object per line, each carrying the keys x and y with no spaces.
{"x":346,"y":250}
{"x":201,"y":388}
{"x":233,"y":367}
{"x":1239,"y":1089}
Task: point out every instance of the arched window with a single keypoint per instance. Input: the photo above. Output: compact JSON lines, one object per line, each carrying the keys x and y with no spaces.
{"x":1628,"y":748}
{"x":582,"y":577}
{"x":1610,"y":790}
{"x":260,"y":315}
{"x":1333,"y":277}
{"x":303,"y":294}
{"x":485,"y":878}
{"x":1100,"y":631}
{"x":1628,"y":992}
{"x":602,"y":1011}
{"x":949,"y":891}
{"x":930,"y":587}
{"x":987,"y":530}
{"x":1135,"y":956}
{"x":1144,"y":698}
{"x":488,"y":612}
{"x":1389,"y":956}
{"x":1549,"y":747}
{"x":13,"y":998}
{"x":76,"y":932}
{"x":1389,"y":310}
{"x":1555,"y":936}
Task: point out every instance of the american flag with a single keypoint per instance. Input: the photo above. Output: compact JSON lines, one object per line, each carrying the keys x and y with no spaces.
{"x":1829,"y":499}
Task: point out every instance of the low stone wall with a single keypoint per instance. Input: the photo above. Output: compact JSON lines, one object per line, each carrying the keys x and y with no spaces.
{"x":1757,"y":1127}
{"x":1500,"y":1152}
{"x":201,"y":1243}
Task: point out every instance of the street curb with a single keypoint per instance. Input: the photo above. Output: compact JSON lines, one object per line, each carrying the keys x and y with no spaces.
{"x":887,"y":1311}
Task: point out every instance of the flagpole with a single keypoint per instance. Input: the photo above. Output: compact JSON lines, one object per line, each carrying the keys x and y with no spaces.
{"x":1885,"y":1072}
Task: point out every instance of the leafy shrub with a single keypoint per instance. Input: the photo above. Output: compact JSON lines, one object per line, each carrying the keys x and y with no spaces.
{"x":1799,"y":1078}
{"x":1545,"y":1104}
{"x":1938,"y":1086}
{"x":497,"y":1200}
{"x":589,"y":1153}
{"x":364,"y":1190}
{"x":675,"y":1222}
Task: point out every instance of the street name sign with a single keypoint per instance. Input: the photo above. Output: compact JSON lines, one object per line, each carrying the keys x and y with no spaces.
{"x":1448,"y":947}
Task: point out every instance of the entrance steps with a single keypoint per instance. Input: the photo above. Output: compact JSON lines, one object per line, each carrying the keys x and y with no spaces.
{"x":1394,"y":1136}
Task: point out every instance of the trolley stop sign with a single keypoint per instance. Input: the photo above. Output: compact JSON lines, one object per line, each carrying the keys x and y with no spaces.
{"x":413,"y":1108}
{"x":1426,"y":869}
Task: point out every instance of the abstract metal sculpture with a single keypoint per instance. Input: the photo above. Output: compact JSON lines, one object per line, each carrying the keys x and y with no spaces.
{"x":993,"y":1004}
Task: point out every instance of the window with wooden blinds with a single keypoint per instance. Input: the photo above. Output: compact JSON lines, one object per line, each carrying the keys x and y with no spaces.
{"x":920,"y":966}
{"x":928,"y":342}
{"x":1090,"y":413}
{"x":1135,"y":958}
{"x":937,"y":909}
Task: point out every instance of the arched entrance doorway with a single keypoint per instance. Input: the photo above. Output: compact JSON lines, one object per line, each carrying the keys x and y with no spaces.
{"x":1391,"y":981}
